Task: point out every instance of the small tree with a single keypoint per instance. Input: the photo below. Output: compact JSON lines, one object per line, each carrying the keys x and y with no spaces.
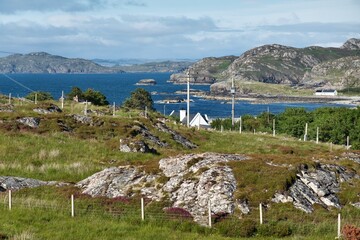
{"x":95,"y":97}
{"x":41,"y":96}
{"x":75,"y":91}
{"x":139,"y":99}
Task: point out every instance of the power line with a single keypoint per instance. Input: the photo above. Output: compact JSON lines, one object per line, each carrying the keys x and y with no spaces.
{"x":20,"y":84}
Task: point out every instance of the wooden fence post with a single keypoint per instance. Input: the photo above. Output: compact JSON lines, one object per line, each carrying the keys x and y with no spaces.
{"x":261,"y":214}
{"x":209,"y":213}
{"x":114,"y":109}
{"x":72,"y":206}
{"x":306,"y":131}
{"x":142,"y":210}
{"x":339,"y":227}
{"x":240,"y":127}
{"x":317,"y":135}
{"x":10,"y":200}
{"x":274,"y":127}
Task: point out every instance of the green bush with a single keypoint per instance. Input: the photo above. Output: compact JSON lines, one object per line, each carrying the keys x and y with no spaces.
{"x":40,"y":96}
{"x":275,"y":229}
{"x":237,"y":228}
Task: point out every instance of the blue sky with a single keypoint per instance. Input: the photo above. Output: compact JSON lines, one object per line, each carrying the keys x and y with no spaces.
{"x":160,"y":29}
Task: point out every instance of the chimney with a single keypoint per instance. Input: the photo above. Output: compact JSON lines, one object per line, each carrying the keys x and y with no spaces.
{"x":182,"y":114}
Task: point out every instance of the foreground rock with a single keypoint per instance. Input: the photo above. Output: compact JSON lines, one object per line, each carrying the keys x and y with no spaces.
{"x":16,"y":183}
{"x":318,"y":186}
{"x":118,"y":182}
{"x":192,"y":182}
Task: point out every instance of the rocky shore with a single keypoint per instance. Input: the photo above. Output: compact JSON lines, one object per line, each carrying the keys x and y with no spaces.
{"x":263,"y":99}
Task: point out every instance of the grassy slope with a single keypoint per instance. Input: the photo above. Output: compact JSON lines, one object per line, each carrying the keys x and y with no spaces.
{"x":48,"y":154}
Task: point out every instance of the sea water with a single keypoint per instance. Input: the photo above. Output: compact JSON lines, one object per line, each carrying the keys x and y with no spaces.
{"x":118,"y":87}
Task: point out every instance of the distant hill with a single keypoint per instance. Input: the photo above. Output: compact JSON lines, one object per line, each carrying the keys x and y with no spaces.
{"x":41,"y":62}
{"x":277,"y":64}
{"x":162,"y":66}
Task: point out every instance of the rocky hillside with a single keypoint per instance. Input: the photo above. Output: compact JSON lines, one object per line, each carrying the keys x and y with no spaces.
{"x":340,"y":73}
{"x":41,"y":62}
{"x":205,"y":71}
{"x":277,"y":64}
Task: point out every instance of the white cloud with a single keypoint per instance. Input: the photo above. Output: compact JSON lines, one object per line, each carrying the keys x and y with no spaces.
{"x":157,"y":28}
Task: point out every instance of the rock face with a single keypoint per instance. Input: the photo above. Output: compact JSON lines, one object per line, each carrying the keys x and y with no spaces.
{"x":16,"y":183}
{"x":32,"y":122}
{"x":117,"y":182}
{"x":317,"y":186}
{"x":193,"y":181}
{"x":41,"y":62}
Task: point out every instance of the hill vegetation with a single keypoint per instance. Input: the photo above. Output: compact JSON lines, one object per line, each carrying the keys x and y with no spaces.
{"x":66,"y":148}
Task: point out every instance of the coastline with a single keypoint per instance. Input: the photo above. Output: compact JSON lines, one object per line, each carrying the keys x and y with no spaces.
{"x":262,"y":99}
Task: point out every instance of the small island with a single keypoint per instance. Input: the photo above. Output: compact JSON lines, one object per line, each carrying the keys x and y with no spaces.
{"x":146,"y":82}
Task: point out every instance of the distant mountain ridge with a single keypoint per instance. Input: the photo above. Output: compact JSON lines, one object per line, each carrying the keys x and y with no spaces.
{"x":42,"y":62}
{"x":277,"y":64}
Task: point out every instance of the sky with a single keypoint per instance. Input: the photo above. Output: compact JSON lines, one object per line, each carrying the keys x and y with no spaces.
{"x":172,"y":29}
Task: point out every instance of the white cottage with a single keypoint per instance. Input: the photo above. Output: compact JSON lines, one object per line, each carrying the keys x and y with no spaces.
{"x":197,"y":120}
{"x":326,"y":92}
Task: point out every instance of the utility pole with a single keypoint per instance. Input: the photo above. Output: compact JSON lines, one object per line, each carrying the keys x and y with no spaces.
{"x":188,"y":101}
{"x":232,"y":104}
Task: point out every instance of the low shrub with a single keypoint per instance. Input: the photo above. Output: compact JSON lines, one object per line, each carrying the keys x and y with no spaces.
{"x":237,"y":228}
{"x":275,"y":229}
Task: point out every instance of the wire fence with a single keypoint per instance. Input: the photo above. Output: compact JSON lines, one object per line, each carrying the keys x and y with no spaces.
{"x":145,"y":209}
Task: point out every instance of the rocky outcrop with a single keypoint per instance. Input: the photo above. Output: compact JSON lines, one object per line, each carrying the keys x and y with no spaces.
{"x":176,"y":136}
{"x":32,"y":122}
{"x":140,"y":129}
{"x":192,"y":182}
{"x":352,"y":156}
{"x":16,"y":183}
{"x":83,"y":119}
{"x":6,"y":108}
{"x":41,"y":62}
{"x":136,"y":146}
{"x":47,"y":110}
{"x":146,"y":82}
{"x":318,"y":186}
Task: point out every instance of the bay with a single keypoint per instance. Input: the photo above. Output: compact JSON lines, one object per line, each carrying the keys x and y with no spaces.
{"x":117,"y":87}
